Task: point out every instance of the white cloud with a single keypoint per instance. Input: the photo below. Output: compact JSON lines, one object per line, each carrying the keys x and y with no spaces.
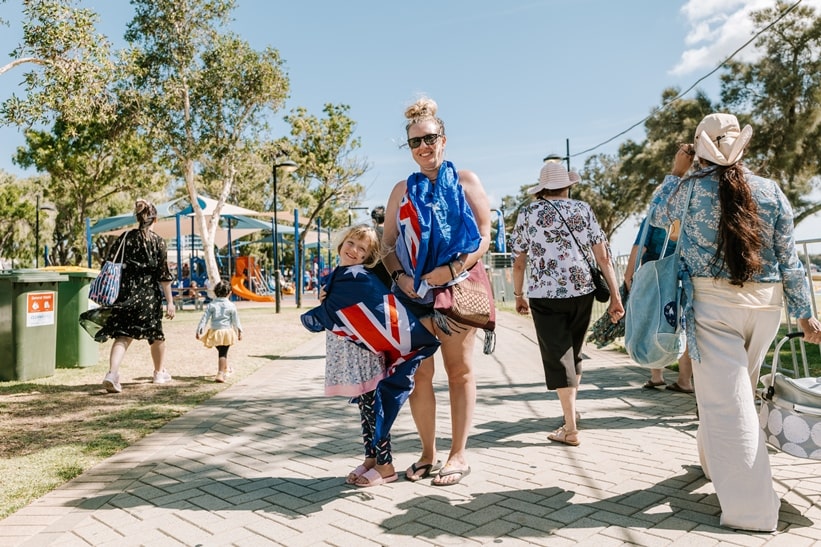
{"x":716,"y":29}
{"x":695,"y":10}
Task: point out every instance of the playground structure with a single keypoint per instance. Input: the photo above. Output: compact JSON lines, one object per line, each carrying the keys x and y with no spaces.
{"x":189,"y":283}
{"x":176,"y":222}
{"x":248,"y":283}
{"x":198,"y":271}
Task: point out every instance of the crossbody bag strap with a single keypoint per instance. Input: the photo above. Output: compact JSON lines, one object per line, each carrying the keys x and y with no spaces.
{"x":584,"y":254}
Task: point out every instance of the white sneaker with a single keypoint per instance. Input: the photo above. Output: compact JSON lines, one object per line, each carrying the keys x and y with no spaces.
{"x":161,"y":377}
{"x":111,"y":383}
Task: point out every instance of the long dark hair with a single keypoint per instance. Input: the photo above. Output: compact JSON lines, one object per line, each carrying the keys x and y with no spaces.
{"x":738,"y":245}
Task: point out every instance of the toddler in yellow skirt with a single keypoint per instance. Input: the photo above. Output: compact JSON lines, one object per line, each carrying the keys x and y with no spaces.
{"x":224,"y":328}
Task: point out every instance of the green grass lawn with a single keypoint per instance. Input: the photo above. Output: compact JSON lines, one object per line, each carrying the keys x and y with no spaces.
{"x":55,"y":428}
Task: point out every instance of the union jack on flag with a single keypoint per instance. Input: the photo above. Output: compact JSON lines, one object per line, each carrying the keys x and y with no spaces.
{"x":410,"y":228}
{"x":359,"y":307}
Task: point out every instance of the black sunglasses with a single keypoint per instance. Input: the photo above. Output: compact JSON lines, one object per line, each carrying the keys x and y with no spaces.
{"x":430,"y":140}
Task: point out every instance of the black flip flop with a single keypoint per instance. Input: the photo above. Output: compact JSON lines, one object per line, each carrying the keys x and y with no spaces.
{"x":427,"y":470}
{"x":442,"y":473}
{"x":675,"y":387}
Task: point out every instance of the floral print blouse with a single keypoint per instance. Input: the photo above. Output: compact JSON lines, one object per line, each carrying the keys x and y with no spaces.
{"x":698,"y":241}
{"x":558,"y":268}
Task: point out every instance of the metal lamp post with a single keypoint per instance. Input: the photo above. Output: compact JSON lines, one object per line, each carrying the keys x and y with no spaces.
{"x":350,"y":214}
{"x":289,"y":167}
{"x":558,"y":158}
{"x":38,"y":208}
{"x":37,"y":233}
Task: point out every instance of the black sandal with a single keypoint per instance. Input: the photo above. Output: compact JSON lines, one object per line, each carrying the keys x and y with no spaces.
{"x":427,"y":470}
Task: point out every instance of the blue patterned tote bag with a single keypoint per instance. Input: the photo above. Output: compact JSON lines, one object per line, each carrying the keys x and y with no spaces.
{"x":106,"y":286}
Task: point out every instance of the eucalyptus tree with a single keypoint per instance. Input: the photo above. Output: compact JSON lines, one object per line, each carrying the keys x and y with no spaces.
{"x":92,"y":167}
{"x":203,"y":95}
{"x":16,"y":220}
{"x":780,"y":95}
{"x":68,"y":84}
{"x":619,"y":186}
{"x":608,"y":191}
{"x":325,"y":183}
{"x":70,"y":66}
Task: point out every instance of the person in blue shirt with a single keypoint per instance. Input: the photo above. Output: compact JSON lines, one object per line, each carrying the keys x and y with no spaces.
{"x":739,"y":264}
{"x":224,"y":328}
{"x":652,"y":251}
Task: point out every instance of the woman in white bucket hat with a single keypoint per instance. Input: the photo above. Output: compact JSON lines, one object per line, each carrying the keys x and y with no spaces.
{"x":739,"y":261}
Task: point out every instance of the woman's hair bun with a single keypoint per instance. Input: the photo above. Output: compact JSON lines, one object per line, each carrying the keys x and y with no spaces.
{"x":422,"y":109}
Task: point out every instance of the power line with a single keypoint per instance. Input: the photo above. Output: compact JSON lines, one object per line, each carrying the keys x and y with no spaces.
{"x":683,"y":93}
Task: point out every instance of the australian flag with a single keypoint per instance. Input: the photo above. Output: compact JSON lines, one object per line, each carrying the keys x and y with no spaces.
{"x":501,"y":240}
{"x":359,"y":307}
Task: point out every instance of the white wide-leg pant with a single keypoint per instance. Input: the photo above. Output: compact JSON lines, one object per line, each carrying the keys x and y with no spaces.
{"x":734,"y":329}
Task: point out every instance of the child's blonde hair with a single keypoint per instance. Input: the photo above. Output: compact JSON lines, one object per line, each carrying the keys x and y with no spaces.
{"x":362,"y":232}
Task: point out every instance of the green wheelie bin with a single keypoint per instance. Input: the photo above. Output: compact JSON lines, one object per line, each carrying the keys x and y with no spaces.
{"x":28,"y":323}
{"x":75,"y":348}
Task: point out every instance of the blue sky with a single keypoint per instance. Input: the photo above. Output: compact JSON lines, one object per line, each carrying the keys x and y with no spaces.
{"x":514,"y":80}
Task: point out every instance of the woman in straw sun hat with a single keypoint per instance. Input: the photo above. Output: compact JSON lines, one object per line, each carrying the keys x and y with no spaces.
{"x":739,"y":262}
{"x":560,"y":237}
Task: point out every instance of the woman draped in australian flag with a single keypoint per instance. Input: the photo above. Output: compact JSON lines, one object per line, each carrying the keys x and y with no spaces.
{"x":437,"y":228}
{"x":373,"y":348}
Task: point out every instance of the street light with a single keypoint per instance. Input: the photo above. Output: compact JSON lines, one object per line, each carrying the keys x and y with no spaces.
{"x":38,"y":208}
{"x":350,"y":215}
{"x":558,"y":158}
{"x":289,"y":167}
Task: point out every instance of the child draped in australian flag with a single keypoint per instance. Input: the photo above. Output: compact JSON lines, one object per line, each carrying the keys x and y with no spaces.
{"x":373,"y":348}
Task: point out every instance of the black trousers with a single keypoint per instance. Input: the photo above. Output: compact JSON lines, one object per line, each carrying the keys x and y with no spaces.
{"x":561,"y":325}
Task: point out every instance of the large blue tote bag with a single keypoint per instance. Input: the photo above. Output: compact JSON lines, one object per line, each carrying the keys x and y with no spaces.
{"x":653,"y":332}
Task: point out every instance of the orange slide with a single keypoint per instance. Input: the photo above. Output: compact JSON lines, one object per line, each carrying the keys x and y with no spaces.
{"x":245,"y":264}
{"x":242,"y":291}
